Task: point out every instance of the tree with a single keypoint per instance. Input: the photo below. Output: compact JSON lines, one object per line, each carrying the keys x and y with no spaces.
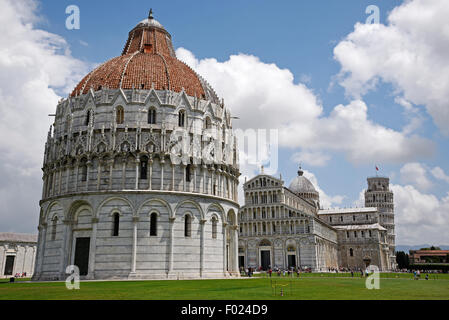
{"x":402,"y":259}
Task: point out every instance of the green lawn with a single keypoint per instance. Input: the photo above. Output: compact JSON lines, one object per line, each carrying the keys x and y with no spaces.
{"x":243,"y":289}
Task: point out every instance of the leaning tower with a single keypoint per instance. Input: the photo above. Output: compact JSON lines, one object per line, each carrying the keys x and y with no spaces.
{"x":140,"y":172}
{"x":379,"y":195}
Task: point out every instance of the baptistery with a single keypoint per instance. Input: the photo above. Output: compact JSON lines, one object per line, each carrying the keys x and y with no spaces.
{"x":140,"y":172}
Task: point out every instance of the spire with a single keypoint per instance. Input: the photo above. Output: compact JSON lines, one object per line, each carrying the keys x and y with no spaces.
{"x":150,"y":15}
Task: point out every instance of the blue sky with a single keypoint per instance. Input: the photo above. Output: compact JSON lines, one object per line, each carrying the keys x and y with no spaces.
{"x":297,"y":35}
{"x":306,"y":38}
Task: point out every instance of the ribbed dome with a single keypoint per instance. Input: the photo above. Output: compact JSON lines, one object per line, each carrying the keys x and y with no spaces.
{"x":148,"y":61}
{"x":301,"y":184}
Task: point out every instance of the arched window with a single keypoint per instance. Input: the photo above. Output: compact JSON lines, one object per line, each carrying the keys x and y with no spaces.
{"x":188,"y":173}
{"x":83,"y":170}
{"x":88,"y":117}
{"x":68,"y":123}
{"x":181,"y":118}
{"x":152,"y":116}
{"x":208,"y":123}
{"x":153,"y":224}
{"x":116,"y":225}
{"x":351,"y":252}
{"x":187,"y":226}
{"x":143,"y":168}
{"x":214,"y":228}
{"x":54,"y":228}
{"x":120,"y":115}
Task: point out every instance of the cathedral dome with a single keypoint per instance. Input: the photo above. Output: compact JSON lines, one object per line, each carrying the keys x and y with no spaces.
{"x":148,"y":61}
{"x":301,"y":184}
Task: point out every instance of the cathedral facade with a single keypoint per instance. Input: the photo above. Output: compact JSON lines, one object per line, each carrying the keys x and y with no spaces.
{"x":284,"y":227}
{"x":140,"y":172}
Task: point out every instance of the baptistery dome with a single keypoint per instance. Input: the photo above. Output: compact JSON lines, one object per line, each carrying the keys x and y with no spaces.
{"x":148,"y":61}
{"x":140,"y":172}
{"x":302,"y":187}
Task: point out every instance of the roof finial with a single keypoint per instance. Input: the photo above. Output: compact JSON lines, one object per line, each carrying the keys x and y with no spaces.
{"x":150,"y":15}
{"x":300,"y":172}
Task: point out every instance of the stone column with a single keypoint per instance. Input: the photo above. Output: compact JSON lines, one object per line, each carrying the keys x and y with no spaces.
{"x":173,"y":178}
{"x":60,"y":180}
{"x":204,"y":179}
{"x":224,"y":247}
{"x":65,"y":248}
{"x":162,"y":163}
{"x":100,"y":165}
{"x":134,"y":250}
{"x":33,"y":261}
{"x":150,"y":162}
{"x":93,"y":248}
{"x":68,"y":167}
{"x":136,"y":187}
{"x":124,"y":172}
{"x":89,"y":166}
{"x":2,"y":254}
{"x":203,"y":224}
{"x":218,"y":182}
{"x":111,"y":168}
{"x":53,"y":188}
{"x":76,"y":175}
{"x":194,"y":178}
{"x":235,"y":253}
{"x":41,"y":250}
{"x":171,"y":244}
{"x":183,"y":178}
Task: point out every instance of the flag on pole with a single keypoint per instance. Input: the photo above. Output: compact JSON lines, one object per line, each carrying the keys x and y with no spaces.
{"x":377,"y":168}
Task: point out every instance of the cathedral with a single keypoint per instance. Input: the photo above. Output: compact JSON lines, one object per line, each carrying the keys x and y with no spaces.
{"x":282,"y":227}
{"x":140,"y":172}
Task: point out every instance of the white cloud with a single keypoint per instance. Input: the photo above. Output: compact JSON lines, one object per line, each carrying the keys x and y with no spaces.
{"x":420,"y":217}
{"x":311,"y":158}
{"x":265,"y":96}
{"x":33,"y":63}
{"x":326,"y":201}
{"x":416,"y":174}
{"x":439,"y":174}
{"x":411,"y":52}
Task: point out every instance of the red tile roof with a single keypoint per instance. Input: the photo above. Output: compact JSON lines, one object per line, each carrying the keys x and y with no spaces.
{"x":148,"y":59}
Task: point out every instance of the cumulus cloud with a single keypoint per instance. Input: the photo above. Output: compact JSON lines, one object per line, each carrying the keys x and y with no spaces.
{"x":416,"y":174}
{"x":34,"y":66}
{"x":311,"y":158}
{"x":410,"y":52}
{"x":419,"y":216}
{"x":326,"y":201}
{"x":264,"y":96}
{"x":439,"y":174}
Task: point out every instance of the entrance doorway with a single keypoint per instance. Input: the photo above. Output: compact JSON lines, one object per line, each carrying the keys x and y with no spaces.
{"x":9,"y":265}
{"x":265,"y":259}
{"x":82,"y":255}
{"x":241,"y":262}
{"x":291,"y":261}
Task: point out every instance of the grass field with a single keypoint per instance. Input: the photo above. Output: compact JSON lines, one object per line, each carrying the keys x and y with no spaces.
{"x":308,"y":287}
